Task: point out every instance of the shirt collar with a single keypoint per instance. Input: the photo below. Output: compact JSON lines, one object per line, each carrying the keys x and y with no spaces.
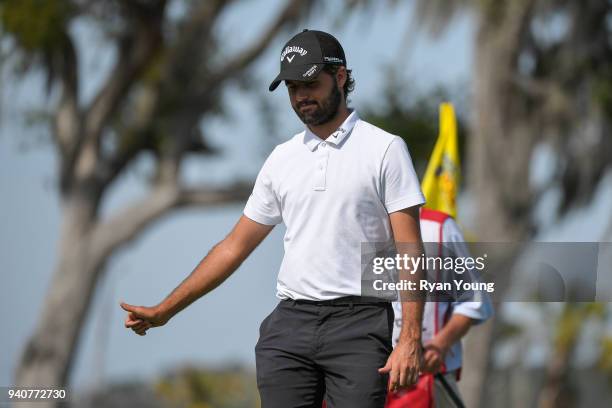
{"x":312,"y":141}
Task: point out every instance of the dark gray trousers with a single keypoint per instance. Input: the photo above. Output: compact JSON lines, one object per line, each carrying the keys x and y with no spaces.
{"x":307,"y":351}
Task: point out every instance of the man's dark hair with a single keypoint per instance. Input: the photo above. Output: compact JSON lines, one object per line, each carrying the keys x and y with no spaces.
{"x":349,"y":85}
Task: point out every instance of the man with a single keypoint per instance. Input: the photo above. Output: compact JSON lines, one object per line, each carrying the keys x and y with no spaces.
{"x":338,"y":183}
{"x":444,"y":323}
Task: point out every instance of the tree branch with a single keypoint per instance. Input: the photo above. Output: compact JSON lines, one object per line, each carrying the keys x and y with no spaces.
{"x":124,"y":226}
{"x":137,"y":47}
{"x":177,"y":105}
{"x":238,"y":192}
{"x":67,"y":116}
{"x":290,"y":14}
{"x":194,"y":42}
{"x":153,"y":104}
{"x":137,"y":139}
{"x":67,"y":119}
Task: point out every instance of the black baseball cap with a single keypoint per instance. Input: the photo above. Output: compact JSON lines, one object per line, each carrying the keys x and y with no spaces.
{"x":304,"y":56}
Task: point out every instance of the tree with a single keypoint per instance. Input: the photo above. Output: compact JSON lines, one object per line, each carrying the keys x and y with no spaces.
{"x":542,"y":76}
{"x":168,"y":75}
{"x":413,"y":115}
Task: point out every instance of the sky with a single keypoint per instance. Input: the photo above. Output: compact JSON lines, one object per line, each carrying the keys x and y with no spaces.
{"x":223,"y":326}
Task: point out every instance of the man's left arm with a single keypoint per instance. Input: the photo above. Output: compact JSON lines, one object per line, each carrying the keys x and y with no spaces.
{"x":404,"y":363}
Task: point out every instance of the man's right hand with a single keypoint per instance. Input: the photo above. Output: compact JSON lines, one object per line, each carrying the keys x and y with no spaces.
{"x":212,"y":270}
{"x":142,"y":318}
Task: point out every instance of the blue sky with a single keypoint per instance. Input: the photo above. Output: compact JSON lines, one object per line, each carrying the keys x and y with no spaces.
{"x":223,"y":326}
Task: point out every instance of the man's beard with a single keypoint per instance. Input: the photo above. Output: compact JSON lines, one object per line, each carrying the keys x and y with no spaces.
{"x":323,"y":113}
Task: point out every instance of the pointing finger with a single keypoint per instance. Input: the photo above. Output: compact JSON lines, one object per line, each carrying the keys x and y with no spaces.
{"x":134,"y":311}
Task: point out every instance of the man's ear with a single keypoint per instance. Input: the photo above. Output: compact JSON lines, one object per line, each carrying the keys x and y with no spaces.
{"x":341,"y":76}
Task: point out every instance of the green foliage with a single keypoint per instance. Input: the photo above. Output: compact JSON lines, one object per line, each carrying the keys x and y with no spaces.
{"x":605,"y":359}
{"x":572,"y":320}
{"x":603,"y":94}
{"x":509,"y":330}
{"x":413,"y":116}
{"x":197,"y":388}
{"x":36,"y":25}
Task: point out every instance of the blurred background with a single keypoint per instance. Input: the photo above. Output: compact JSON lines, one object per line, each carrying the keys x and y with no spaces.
{"x":131,"y":133}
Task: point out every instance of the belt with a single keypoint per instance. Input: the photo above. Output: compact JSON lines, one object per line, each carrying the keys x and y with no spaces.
{"x":343,"y":301}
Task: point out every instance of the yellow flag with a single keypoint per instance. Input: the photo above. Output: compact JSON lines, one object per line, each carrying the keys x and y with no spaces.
{"x":441,"y":180}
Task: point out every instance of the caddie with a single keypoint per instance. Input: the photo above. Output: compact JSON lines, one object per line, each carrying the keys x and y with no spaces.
{"x":444,"y":323}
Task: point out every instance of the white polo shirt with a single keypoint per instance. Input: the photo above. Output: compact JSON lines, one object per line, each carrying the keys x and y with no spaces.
{"x":332,"y":195}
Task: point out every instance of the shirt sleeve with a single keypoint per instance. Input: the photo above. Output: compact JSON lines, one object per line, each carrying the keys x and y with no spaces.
{"x":400,"y":184}
{"x":263,"y":205}
{"x":479,"y":306}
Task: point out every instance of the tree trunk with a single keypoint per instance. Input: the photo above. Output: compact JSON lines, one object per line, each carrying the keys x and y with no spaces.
{"x":168,"y":126}
{"x":49,"y":353}
{"x":85,"y":246}
{"x":498,"y":157}
{"x":499,"y":151}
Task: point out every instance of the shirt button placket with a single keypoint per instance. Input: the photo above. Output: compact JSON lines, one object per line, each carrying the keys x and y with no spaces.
{"x":321,"y":172}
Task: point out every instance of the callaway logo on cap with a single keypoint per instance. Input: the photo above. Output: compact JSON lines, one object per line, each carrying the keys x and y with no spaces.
{"x":304,"y":56}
